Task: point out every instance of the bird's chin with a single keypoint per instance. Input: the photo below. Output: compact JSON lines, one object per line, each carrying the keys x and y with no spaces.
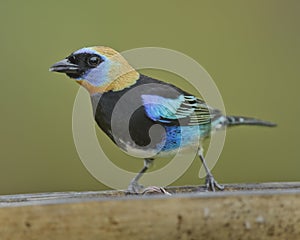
{"x":75,"y":75}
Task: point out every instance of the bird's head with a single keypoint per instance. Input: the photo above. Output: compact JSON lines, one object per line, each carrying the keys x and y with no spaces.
{"x":98,"y":69}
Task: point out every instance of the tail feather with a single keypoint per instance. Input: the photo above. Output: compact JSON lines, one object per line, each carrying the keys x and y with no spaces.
{"x":238,"y":120}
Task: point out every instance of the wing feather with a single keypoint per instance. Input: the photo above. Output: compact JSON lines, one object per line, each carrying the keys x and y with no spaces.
{"x":186,"y":109}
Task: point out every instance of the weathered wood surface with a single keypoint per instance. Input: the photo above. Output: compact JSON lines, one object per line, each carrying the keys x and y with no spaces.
{"x":244,"y":211}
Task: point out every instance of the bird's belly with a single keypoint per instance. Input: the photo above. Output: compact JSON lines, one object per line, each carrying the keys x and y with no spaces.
{"x":174,"y":139}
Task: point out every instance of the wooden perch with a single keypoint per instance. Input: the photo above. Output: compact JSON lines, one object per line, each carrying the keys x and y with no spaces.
{"x":243,"y":211}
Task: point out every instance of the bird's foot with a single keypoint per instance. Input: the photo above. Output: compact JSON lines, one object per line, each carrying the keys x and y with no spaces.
{"x":135,"y":188}
{"x":212,"y":184}
{"x":155,"y":190}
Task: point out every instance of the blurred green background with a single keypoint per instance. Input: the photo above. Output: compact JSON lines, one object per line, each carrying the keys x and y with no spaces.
{"x":250,"y":48}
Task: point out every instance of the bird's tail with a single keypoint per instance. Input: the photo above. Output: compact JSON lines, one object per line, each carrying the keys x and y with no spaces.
{"x":238,"y":120}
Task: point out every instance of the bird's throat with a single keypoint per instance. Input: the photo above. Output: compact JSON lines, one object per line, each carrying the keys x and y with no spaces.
{"x":124,"y":81}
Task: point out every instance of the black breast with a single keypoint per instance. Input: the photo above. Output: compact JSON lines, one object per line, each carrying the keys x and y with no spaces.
{"x":121,"y":114}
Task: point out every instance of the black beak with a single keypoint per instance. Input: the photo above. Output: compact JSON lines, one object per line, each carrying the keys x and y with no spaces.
{"x":65,"y":66}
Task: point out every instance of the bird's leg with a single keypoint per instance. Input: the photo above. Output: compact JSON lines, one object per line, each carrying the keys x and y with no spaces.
{"x":210,"y":182}
{"x":134,"y":186}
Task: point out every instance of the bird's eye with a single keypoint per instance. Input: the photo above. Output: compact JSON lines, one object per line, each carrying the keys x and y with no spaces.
{"x":94,"y":61}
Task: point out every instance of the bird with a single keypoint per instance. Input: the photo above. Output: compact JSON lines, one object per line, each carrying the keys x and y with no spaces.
{"x":144,"y":116}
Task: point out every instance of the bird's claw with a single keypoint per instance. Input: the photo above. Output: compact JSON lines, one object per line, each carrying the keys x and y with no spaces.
{"x":135,"y":188}
{"x":211,"y":184}
{"x":155,"y":190}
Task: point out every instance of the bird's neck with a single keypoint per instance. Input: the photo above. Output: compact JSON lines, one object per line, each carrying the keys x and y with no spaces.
{"x":123,"y":81}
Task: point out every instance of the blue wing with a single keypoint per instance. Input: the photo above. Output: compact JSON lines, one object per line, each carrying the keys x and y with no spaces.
{"x":185,"y":109}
